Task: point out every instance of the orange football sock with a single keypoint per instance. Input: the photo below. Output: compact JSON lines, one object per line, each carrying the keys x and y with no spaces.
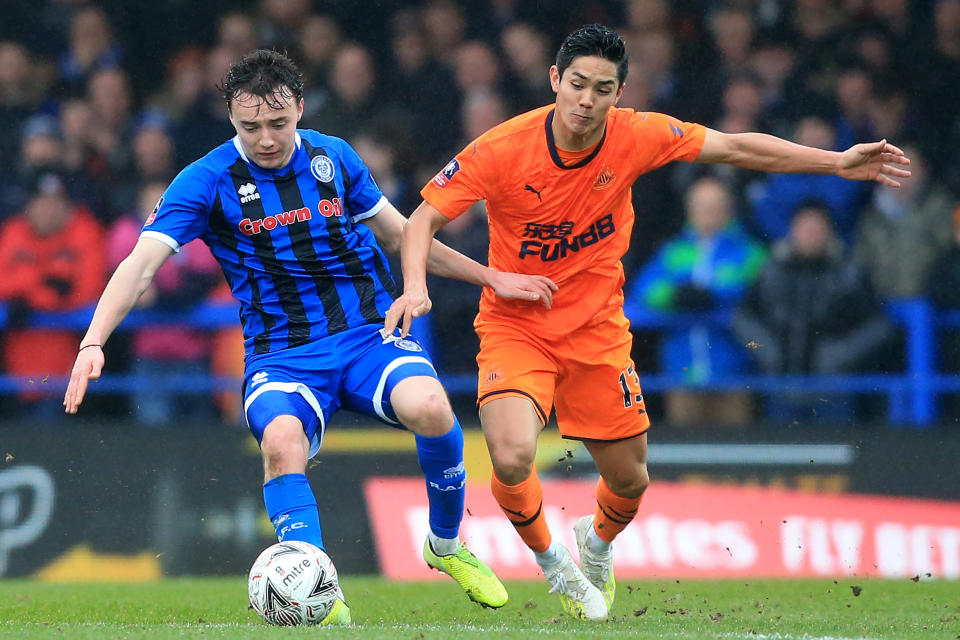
{"x":614,"y":512}
{"x":523,"y":505}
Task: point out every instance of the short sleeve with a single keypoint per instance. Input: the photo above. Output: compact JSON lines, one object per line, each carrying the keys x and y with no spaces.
{"x":662,"y":139}
{"x":468,"y":178}
{"x":183,"y":211}
{"x":364,"y":197}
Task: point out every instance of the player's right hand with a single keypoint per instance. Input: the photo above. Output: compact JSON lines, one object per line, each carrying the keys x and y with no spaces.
{"x":88,"y":366}
{"x":520,"y":286}
{"x":404,"y":309}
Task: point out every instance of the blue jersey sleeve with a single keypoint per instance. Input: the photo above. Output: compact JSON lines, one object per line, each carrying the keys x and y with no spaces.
{"x":364,"y":197}
{"x":183,"y":212}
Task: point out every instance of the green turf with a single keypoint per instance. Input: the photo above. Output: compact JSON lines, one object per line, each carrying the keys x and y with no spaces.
{"x":217,"y":608}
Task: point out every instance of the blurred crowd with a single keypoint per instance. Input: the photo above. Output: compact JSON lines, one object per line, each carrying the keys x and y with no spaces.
{"x":102,"y":103}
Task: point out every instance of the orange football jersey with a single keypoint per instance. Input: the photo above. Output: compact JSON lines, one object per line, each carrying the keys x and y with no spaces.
{"x":570,"y":222}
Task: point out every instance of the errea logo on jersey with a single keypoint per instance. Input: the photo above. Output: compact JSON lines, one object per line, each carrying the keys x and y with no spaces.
{"x":258,"y":377}
{"x":248,"y":193}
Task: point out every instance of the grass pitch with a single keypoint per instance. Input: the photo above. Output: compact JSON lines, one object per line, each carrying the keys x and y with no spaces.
{"x":728,"y":610}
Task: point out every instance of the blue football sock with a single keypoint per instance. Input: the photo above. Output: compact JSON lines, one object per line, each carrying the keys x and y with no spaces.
{"x":292,"y":508}
{"x":441,"y":460}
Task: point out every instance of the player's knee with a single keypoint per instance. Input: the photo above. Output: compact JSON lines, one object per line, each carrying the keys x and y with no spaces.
{"x":284,"y":447}
{"x":512,"y":466}
{"x":430,"y":415}
{"x":631,"y":486}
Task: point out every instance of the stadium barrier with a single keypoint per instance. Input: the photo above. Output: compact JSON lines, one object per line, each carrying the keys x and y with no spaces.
{"x":911,"y":394}
{"x":113,"y":503}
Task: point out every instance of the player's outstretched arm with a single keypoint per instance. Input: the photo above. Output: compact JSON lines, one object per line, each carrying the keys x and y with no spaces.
{"x":878,"y":161}
{"x":422,"y":253}
{"x":128,"y":282}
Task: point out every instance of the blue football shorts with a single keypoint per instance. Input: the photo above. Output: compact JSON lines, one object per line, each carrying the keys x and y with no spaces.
{"x":356,"y":369}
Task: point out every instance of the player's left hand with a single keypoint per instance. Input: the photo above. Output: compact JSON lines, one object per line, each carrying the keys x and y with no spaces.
{"x":519,"y":286}
{"x":88,"y":366}
{"x":404,"y":309}
{"x":874,"y":161}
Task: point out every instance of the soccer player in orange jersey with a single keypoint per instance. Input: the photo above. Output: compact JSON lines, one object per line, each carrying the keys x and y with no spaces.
{"x":556,"y":181}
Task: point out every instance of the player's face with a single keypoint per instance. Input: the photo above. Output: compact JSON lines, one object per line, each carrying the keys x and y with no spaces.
{"x":267,"y":134}
{"x":585,"y":93}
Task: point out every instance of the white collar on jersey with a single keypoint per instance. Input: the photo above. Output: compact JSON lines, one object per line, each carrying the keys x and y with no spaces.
{"x":239,"y":147}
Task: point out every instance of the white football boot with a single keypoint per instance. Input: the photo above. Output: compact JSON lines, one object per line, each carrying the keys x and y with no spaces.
{"x":598,"y":567}
{"x":578,"y":597}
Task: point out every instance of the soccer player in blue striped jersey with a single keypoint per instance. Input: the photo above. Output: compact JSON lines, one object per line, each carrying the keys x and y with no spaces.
{"x":298,"y":225}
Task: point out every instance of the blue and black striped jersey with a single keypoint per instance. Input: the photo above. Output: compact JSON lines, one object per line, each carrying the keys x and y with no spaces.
{"x":287,"y":239}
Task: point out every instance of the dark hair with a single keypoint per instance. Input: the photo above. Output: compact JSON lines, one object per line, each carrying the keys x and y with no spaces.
{"x":594,"y":40}
{"x":813,"y":204}
{"x":268,"y":75}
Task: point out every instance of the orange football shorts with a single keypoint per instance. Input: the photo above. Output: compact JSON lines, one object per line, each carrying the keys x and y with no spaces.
{"x":587,"y":375}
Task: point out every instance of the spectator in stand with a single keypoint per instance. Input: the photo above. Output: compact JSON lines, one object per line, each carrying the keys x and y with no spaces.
{"x":425,"y":110}
{"x":903,"y":230}
{"x":153,"y":161}
{"x":91,"y":48}
{"x":775,"y":198}
{"x":743,"y":98}
{"x":478,"y":69}
{"x":812,"y":311}
{"x":279,"y":21}
{"x":77,"y":155}
{"x":891,"y":114}
{"x":897,"y":19}
{"x":943,"y":288}
{"x":937,"y":93}
{"x":318,"y":40}
{"x":353,"y":100}
{"x":527,"y":55}
{"x":818,"y":25}
{"x":109,"y":127}
{"x":167,"y":351}
{"x":202,"y":125}
{"x":18,"y":94}
{"x":483,"y":111}
{"x":445,"y":26}
{"x":772,"y":61}
{"x":237,"y":33}
{"x":51,"y":257}
{"x":186,"y":72}
{"x":42,"y":150}
{"x":39,"y":151}
{"x":647,"y":16}
{"x":669,"y":86}
{"x":708,"y":267}
{"x":854,"y":97}
{"x":732,"y":30}
{"x":374,"y":147}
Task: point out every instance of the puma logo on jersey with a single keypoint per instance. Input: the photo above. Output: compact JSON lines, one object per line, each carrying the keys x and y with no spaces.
{"x":605,"y":178}
{"x":529,"y":188}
